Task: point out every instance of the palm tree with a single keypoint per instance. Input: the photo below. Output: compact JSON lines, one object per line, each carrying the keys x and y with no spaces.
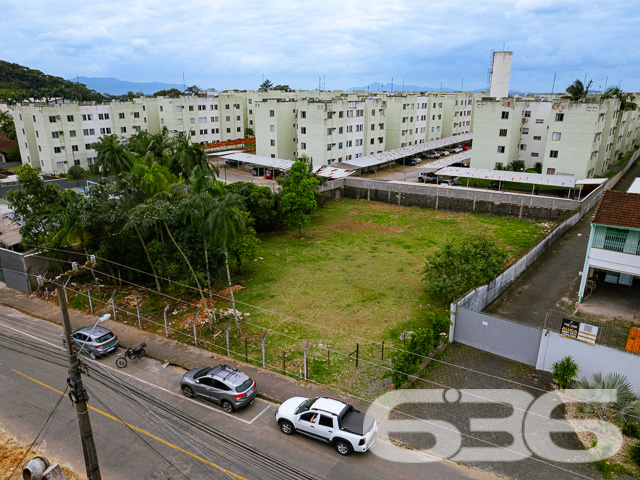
{"x":189,"y":156}
{"x":577,"y":90}
{"x":590,"y":391}
{"x":225,"y":226}
{"x":627,"y":100}
{"x":113,"y":156}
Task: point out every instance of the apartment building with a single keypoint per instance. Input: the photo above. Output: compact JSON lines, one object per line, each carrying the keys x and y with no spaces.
{"x":569,"y":138}
{"x":457,"y":111}
{"x":277,"y":120}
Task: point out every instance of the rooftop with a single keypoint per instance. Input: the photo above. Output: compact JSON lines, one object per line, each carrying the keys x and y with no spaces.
{"x":618,"y":209}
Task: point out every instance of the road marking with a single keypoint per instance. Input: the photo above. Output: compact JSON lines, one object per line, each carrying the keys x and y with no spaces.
{"x":139,"y":430}
{"x":86,"y":360}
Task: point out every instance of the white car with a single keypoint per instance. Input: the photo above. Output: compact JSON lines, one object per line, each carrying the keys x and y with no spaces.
{"x":457,"y":149}
{"x":330,"y":421}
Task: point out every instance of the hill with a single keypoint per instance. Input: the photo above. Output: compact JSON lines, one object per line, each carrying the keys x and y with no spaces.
{"x":18,"y":83}
{"x":113,"y":86}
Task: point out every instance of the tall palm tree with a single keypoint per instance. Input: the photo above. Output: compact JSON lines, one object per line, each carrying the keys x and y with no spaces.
{"x":188,"y":156}
{"x":577,"y":90}
{"x":225,"y":226}
{"x":113,"y":156}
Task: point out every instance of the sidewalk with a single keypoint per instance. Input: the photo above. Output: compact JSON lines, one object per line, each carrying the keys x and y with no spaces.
{"x":271,"y":386}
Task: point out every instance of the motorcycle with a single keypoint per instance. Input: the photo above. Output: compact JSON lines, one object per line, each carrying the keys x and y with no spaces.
{"x":130,"y":354}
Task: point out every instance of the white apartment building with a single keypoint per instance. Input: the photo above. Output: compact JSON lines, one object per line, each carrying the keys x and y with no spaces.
{"x":277,"y":120}
{"x":457,"y":112}
{"x":568,"y":138}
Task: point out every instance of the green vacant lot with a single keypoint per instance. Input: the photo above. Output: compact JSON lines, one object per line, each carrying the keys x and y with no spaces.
{"x":357,"y":271}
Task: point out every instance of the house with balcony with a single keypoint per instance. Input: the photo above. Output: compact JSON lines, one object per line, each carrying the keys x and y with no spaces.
{"x":613,"y":254}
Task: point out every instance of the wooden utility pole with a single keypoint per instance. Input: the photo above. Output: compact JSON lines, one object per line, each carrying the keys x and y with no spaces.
{"x":78,"y":394}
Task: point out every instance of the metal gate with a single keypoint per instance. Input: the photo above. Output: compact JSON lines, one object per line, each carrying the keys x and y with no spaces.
{"x":496,"y":335}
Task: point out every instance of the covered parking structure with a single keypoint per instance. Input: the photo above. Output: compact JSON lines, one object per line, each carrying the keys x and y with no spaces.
{"x":500,"y":176}
{"x":379,"y":159}
{"x":285,"y":165}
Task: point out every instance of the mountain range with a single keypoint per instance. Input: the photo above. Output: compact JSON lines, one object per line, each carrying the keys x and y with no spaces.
{"x":113,"y":86}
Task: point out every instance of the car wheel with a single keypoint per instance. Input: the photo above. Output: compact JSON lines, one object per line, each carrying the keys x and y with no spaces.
{"x":287,"y":427}
{"x":226,"y":406}
{"x":343,"y":447}
{"x":188,"y":391}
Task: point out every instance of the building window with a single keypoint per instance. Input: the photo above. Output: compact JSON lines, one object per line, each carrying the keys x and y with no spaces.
{"x":503,"y":132}
{"x":69,"y":118}
{"x":303,"y":130}
{"x":272,"y":113}
{"x":615,"y":239}
{"x":136,"y":114}
{"x":537,"y":137}
{"x":87,"y":146}
{"x":373,"y":127}
{"x":123,"y":129}
{"x":340,"y":130}
{"x":534,"y":154}
{"x":228,"y":130}
{"x":303,"y":146}
{"x":59,"y":165}
{"x":525,"y":131}
{"x":57,"y":150}
{"x":559,"y":117}
{"x":52,"y":119}
{"x":527,"y":113}
{"x":273,"y":143}
{"x":555,"y":136}
{"x":179,"y":121}
{"x":192,"y":121}
{"x":328,"y":131}
{"x":191,"y":108}
{"x":55,"y":134}
{"x":272,"y":128}
{"x":339,"y":145}
{"x":539,"y":120}
{"x":341,"y":114}
{"x":553,"y":154}
{"x":303,"y":114}
{"x":238,"y":129}
{"x":523,"y":146}
{"x":74,"y":148}
{"x":500,"y":148}
{"x":273,"y":155}
{"x":329,"y":114}
{"x":121,"y":114}
{"x":505,"y":115}
{"x":328,"y":146}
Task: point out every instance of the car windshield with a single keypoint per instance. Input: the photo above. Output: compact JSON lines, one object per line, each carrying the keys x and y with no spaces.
{"x":105,"y":338}
{"x":244,"y":385}
{"x":306,"y":405}
{"x":202,"y":373}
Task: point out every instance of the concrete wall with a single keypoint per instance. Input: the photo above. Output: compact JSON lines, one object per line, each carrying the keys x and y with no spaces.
{"x":590,"y":358}
{"x":14,"y":268}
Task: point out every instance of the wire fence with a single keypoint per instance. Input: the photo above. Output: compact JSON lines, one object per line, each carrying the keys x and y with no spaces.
{"x":611,"y":335}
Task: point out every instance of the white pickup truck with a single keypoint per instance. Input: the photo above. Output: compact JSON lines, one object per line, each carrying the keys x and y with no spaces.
{"x":329,"y":420}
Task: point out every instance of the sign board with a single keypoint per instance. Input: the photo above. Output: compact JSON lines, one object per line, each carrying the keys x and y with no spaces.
{"x":579,"y":331}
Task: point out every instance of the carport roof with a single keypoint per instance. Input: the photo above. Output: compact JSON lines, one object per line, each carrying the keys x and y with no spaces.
{"x":618,"y":209}
{"x":508,"y":176}
{"x":329,"y":172}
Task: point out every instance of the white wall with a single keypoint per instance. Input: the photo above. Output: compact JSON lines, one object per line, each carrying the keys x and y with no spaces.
{"x":590,"y":358}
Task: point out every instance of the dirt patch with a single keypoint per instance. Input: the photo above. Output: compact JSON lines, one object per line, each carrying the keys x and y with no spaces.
{"x":11,"y":452}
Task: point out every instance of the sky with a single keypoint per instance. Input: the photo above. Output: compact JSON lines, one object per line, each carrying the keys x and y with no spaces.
{"x":348,"y":43}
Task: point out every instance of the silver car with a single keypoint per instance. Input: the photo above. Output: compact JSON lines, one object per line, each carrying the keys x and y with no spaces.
{"x":94,"y":341}
{"x":224,"y":385}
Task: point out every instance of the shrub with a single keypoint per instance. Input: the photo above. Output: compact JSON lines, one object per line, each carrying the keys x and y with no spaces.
{"x":76,"y":171}
{"x":565,"y":371}
{"x":405,"y":362}
{"x":13,"y":155}
{"x":625,"y":405}
{"x":634,"y":454}
{"x":632,"y":429}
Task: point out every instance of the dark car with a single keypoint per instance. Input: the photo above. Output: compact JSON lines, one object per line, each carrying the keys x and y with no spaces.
{"x":407,"y":161}
{"x":428,"y":177}
{"x":257,"y":171}
{"x":95,"y":341}
{"x":271,"y":173}
{"x":224,"y":385}
{"x":233,"y":163}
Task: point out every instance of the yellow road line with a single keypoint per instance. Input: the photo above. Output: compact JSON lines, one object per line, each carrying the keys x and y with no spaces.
{"x":144,"y":432}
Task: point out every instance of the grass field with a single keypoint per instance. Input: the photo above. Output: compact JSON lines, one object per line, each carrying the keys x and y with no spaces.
{"x":356,"y":273}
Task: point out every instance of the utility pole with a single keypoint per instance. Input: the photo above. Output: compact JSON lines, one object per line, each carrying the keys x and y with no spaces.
{"x":78,"y":394}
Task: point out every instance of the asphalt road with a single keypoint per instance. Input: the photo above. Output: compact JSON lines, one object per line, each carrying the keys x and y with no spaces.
{"x":146,"y":429}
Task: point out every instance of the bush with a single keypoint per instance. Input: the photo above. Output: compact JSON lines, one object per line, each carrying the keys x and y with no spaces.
{"x":625,"y":406}
{"x":632,"y":429}
{"x":76,"y":172}
{"x":405,"y":361}
{"x":565,"y":371}
{"x":13,"y":155}
{"x":634,"y":454}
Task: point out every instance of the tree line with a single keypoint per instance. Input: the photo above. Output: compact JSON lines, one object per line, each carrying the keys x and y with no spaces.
{"x":159,"y":207}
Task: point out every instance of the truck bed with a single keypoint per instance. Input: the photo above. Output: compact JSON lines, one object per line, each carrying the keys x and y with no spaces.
{"x":356,"y":422}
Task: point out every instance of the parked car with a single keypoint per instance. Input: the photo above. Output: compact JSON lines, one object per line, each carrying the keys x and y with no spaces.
{"x":427,"y":177}
{"x":443,"y":153}
{"x":95,"y":341}
{"x":233,"y":163}
{"x":408,"y":161}
{"x":224,"y":385}
{"x":465,"y":147}
{"x":272,"y":173}
{"x":457,"y":149}
{"x":257,"y":171}
{"x":330,"y":421}
{"x":433,"y":155}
